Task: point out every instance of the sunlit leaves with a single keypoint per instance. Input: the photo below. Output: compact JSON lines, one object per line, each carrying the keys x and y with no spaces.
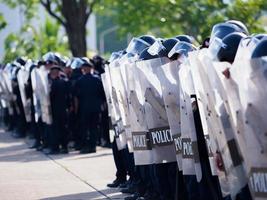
{"x":167,"y":18}
{"x":34,"y":42}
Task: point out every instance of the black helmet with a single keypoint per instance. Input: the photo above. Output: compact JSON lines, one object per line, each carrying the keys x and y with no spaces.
{"x":146,"y":56}
{"x":60,"y":60}
{"x":20,"y":61}
{"x":168,"y":44}
{"x":181,"y":48}
{"x":137,"y":45}
{"x":240,"y":24}
{"x":50,"y":58}
{"x":148,"y":38}
{"x":260,"y":50}
{"x":230,"y":45}
{"x":76,"y":63}
{"x":260,"y":36}
{"x":115,"y":55}
{"x":185,"y":38}
{"x":223,"y":29}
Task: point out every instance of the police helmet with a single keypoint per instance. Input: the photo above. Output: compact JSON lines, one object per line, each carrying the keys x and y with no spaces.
{"x":260,"y":36}
{"x":50,"y":58}
{"x":185,"y":38}
{"x":223,"y":29}
{"x":229,"y":48}
{"x":115,"y":55}
{"x":240,"y":24}
{"x":168,"y":44}
{"x":20,"y":61}
{"x":76,"y":63}
{"x":146,"y":56}
{"x":60,"y":60}
{"x":180,"y":48}
{"x":260,"y":50}
{"x":148,"y":38}
{"x":137,"y":45}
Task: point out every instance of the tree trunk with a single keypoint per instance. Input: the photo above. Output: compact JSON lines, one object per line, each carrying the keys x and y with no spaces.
{"x":75,"y":14}
{"x":76,"y":19}
{"x":77,"y":39}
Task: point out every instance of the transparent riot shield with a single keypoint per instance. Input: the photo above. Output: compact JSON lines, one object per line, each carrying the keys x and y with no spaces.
{"x":228,"y":146}
{"x":37,"y":90}
{"x":231,"y":99}
{"x":169,"y":80}
{"x":5,"y":93}
{"x":6,"y":74}
{"x":190,"y":155}
{"x":125,"y":76}
{"x":44,"y":92}
{"x":108,"y":97}
{"x":253,"y":96}
{"x":142,"y":148}
{"x":155,"y":113}
{"x":120,"y":89}
{"x":118,"y":127}
{"x":209,"y":124}
{"x":23,"y":76}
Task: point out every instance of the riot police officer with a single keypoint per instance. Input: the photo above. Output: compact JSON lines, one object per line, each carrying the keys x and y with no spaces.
{"x":59,"y":99}
{"x":89,"y":97}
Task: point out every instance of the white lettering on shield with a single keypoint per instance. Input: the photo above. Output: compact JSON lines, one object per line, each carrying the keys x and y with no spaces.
{"x":178,"y":144}
{"x":161,"y":137}
{"x":139,"y":141}
{"x":187,"y":148}
{"x":258,"y":181}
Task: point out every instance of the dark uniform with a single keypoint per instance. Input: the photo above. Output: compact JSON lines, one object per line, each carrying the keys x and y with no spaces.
{"x":72,"y":116}
{"x":59,"y":101}
{"x":90,"y":95}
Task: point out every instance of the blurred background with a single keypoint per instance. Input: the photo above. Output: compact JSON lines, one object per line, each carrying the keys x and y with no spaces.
{"x":88,"y":27}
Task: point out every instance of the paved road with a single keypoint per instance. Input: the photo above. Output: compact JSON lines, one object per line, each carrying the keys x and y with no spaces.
{"x":29,"y":175}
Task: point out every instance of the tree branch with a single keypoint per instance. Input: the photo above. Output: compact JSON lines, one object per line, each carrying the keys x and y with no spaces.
{"x":47,"y":6}
{"x":90,"y":10}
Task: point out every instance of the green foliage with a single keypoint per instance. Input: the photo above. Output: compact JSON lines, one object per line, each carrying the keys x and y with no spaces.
{"x":34,"y":43}
{"x":163,"y":18}
{"x":166,"y":18}
{"x":28,"y":7}
{"x":2,"y":21}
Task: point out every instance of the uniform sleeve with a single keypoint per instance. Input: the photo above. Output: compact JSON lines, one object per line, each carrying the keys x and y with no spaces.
{"x":77,"y":90}
{"x":67,"y":93}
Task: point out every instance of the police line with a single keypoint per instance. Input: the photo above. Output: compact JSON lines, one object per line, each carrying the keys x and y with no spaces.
{"x":165,"y":95}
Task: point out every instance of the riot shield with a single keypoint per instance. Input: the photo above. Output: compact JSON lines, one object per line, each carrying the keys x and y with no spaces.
{"x":169,"y":80}
{"x":140,"y":136}
{"x":44,"y":93}
{"x":107,"y":89}
{"x":6,"y":96}
{"x":118,"y":127}
{"x":2,"y":92}
{"x":155,"y":113}
{"x":228,"y":147}
{"x":23,"y":76}
{"x":120,"y":90}
{"x":209,"y":125}
{"x":125,"y":76}
{"x":231,"y":99}
{"x":7,"y":83}
{"x":253,"y":97}
{"x":37,"y":88}
{"x":190,"y":156}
